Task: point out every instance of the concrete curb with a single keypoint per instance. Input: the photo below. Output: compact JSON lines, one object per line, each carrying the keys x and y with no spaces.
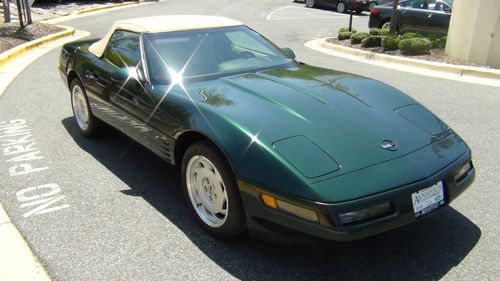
{"x":103,"y":7}
{"x":19,"y":263}
{"x":95,"y":10}
{"x":17,"y":51}
{"x":458,"y":70}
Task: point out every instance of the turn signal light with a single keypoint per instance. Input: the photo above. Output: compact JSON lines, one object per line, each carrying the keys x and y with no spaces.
{"x":269,"y":201}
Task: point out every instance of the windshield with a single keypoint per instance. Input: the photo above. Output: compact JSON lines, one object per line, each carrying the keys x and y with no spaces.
{"x":203,"y":53}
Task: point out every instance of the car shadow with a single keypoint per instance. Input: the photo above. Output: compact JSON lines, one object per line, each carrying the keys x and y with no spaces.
{"x":425,"y":250}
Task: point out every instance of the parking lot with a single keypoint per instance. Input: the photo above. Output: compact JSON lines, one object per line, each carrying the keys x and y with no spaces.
{"x":117,"y":212}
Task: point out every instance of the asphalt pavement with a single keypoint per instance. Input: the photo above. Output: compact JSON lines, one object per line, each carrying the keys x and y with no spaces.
{"x":111,"y":210}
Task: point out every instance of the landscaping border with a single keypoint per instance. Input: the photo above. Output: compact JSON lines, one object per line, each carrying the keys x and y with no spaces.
{"x":17,"y":51}
{"x":459,"y":70}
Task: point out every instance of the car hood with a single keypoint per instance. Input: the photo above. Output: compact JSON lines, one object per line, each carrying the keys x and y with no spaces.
{"x":346,"y":116}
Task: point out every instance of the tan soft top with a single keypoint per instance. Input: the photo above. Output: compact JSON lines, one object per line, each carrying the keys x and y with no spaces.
{"x":162,"y":24}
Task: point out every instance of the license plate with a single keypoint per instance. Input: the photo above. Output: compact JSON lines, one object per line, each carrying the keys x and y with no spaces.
{"x":428,"y":199}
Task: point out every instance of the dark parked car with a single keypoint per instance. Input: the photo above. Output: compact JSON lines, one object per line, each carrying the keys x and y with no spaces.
{"x":374,"y":3}
{"x":265,"y":143}
{"x":342,"y":6}
{"x":415,"y":15}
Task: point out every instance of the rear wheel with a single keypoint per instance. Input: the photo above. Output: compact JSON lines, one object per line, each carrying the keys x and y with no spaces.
{"x":87,"y":123}
{"x":211,"y":191}
{"x":310,"y":3}
{"x":341,"y":7}
{"x":386,"y":25}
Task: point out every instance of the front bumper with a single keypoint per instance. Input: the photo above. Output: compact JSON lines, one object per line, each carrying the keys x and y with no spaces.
{"x":266,"y":220}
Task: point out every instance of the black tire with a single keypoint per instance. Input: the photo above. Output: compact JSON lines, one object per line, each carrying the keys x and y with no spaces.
{"x":93,"y":125}
{"x":235,"y":223}
{"x":341,"y":7}
{"x":310,"y":3}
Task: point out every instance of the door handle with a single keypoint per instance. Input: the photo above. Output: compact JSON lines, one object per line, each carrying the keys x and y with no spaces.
{"x":429,"y":15}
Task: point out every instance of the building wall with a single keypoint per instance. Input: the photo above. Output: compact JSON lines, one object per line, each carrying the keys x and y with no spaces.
{"x":474,"y":33}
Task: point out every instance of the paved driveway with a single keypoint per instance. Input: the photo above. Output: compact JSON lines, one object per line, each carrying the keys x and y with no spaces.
{"x":117,"y":211}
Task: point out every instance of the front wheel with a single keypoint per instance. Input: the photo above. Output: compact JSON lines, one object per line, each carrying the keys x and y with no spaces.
{"x":310,"y":3}
{"x":88,"y":124}
{"x":211,"y":191}
{"x":341,"y":7}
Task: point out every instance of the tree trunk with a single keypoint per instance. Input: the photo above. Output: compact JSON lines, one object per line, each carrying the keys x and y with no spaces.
{"x":394,"y":16}
{"x":6,"y":10}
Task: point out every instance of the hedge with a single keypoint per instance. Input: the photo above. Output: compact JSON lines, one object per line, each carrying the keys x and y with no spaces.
{"x":410,"y":35}
{"x":344,"y":35}
{"x":390,"y":43}
{"x":356,"y":38}
{"x":379,"y":31}
{"x":371,"y":41}
{"x":415,"y":46}
{"x":346,"y":29}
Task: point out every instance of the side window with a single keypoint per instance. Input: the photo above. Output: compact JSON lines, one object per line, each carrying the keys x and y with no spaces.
{"x":123,"y":49}
{"x":442,"y":7}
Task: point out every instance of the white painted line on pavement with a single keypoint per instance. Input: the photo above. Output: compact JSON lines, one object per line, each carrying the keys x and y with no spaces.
{"x":276,"y":10}
{"x":313,"y":14}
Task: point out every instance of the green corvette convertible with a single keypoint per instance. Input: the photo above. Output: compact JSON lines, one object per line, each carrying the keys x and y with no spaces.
{"x":264,"y":143}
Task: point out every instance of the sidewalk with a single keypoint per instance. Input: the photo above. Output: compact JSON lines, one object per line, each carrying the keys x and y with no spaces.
{"x":469,"y":74}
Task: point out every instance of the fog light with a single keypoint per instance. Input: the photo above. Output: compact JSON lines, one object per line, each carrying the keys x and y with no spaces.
{"x":286,"y":207}
{"x":460,"y":173}
{"x":361,"y":215}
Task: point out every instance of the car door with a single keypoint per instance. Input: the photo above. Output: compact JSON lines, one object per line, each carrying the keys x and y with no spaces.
{"x":118,"y":95}
{"x":411,"y":14}
{"x":439,"y":18}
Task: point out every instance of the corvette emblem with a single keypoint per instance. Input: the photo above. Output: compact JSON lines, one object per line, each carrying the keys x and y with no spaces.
{"x":389,"y":145}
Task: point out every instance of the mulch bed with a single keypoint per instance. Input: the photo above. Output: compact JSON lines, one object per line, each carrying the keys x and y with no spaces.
{"x":435,"y":55}
{"x":11,"y":35}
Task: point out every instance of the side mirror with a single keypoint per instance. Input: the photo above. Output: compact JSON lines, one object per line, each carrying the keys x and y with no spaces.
{"x":289,"y":53}
{"x":120,"y":75}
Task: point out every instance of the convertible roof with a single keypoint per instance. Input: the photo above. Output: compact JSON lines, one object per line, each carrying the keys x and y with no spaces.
{"x":162,"y":24}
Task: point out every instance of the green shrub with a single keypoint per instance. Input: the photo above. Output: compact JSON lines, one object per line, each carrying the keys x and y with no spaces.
{"x":410,"y":35}
{"x":390,"y":43}
{"x":356,"y":38}
{"x":379,"y":31}
{"x":371,"y":41}
{"x":346,"y":29}
{"x":415,"y":46}
{"x":438,"y":43}
{"x":344,"y":35}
